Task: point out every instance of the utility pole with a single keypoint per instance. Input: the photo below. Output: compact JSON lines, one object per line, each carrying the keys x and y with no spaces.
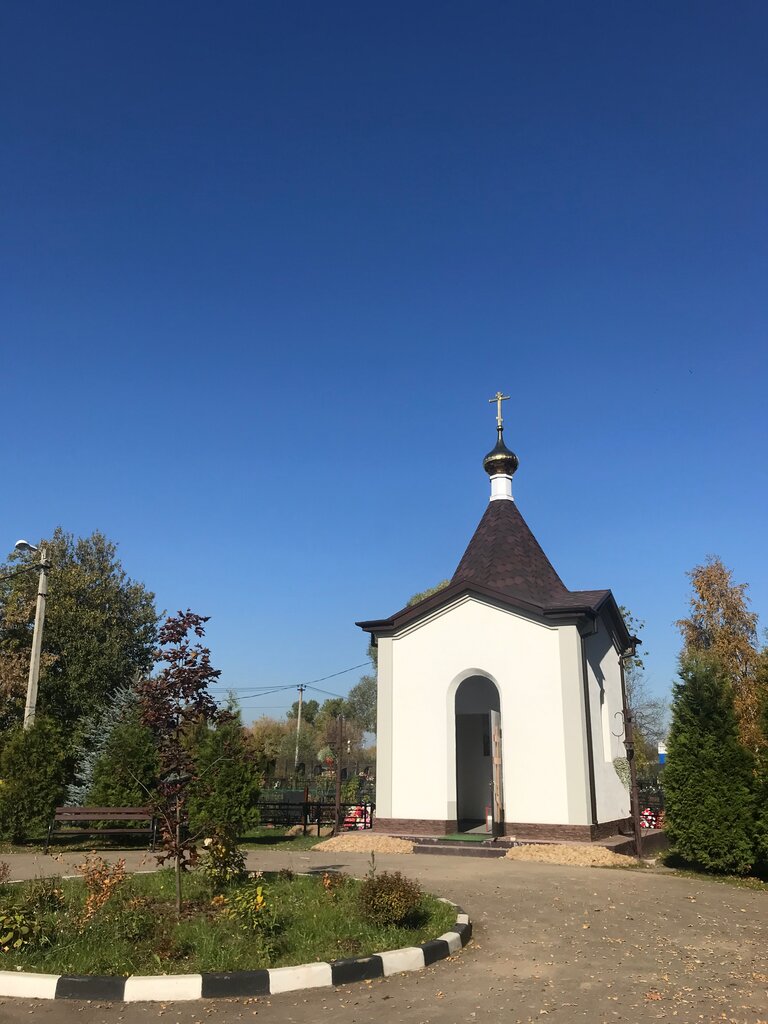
{"x":37,"y":641}
{"x":629,"y":746}
{"x":634,"y":794}
{"x":301,"y":688}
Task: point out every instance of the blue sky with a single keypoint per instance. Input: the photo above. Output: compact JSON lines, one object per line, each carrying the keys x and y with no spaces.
{"x":263,"y":264}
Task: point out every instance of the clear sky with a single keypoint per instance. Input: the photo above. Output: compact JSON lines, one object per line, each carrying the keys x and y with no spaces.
{"x":263,"y":264}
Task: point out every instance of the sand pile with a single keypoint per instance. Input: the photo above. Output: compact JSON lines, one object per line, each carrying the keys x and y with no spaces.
{"x":571,"y":853}
{"x":356,"y":842}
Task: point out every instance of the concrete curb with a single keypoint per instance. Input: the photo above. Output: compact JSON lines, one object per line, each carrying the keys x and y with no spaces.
{"x":176,"y":987}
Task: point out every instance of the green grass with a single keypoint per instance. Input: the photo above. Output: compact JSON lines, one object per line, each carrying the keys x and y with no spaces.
{"x":260,"y":838}
{"x":137,"y":932}
{"x":676,"y":863}
{"x":275,"y":838}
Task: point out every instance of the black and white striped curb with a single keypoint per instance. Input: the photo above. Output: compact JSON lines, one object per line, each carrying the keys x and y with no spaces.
{"x":168,"y":987}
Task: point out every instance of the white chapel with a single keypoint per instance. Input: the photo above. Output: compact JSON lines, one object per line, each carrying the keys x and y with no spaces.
{"x":500,"y":696}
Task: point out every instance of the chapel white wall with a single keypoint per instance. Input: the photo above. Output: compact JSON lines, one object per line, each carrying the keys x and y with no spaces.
{"x":606,"y":705}
{"x":424,"y":667}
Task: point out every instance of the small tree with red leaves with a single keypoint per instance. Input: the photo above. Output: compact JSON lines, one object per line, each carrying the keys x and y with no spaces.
{"x":172,"y":703}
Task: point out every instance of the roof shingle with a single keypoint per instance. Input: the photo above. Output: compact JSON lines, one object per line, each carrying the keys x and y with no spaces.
{"x":505,"y":556}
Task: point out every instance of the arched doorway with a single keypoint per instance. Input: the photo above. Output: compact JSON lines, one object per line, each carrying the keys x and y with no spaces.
{"x":478,"y":756}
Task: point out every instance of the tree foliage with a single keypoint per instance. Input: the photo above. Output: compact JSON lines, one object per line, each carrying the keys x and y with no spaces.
{"x":423,"y":594}
{"x":225,"y":792}
{"x":35,"y":766}
{"x":309,"y":710}
{"x":125,"y":773}
{"x":361,"y":703}
{"x":649,"y":712}
{"x":761,"y":787}
{"x":721,"y":625}
{"x":708,"y":778}
{"x":100,"y":627}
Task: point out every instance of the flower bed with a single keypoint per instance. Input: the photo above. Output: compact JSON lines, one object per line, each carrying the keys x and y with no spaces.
{"x":115,"y":924}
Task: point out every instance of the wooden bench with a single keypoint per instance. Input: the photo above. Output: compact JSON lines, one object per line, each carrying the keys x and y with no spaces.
{"x":80,"y":816}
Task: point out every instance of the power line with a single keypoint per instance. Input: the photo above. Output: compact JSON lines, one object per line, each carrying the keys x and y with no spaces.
{"x":326,"y":692}
{"x":260,"y":691}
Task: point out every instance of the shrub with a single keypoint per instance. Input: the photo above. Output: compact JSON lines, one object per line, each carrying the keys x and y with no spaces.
{"x":102,"y":880}
{"x":224,"y":862}
{"x":42,"y":895}
{"x":708,"y":778}
{"x":761,"y":823}
{"x":389,"y":898}
{"x":225,"y":794}
{"x":250,"y":907}
{"x":333,"y":882}
{"x":5,"y":872}
{"x":35,"y":766}
{"x":18,"y":928}
{"x":125,"y":773}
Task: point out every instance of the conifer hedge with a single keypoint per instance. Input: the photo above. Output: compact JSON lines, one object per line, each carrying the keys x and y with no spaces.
{"x":709,"y":778}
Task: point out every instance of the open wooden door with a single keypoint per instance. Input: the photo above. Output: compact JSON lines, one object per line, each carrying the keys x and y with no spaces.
{"x":497,"y":802}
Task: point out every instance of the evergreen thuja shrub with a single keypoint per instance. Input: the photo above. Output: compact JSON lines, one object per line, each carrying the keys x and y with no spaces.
{"x":761,"y":790}
{"x":35,"y":767}
{"x":389,"y":897}
{"x":708,"y":778}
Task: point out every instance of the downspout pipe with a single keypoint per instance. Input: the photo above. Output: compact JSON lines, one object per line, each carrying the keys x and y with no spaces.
{"x":590,"y":630}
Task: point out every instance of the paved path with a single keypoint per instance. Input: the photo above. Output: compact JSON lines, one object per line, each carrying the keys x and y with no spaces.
{"x":551,"y":943}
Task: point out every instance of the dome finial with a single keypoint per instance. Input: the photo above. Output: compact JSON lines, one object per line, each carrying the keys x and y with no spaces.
{"x":500,"y":463}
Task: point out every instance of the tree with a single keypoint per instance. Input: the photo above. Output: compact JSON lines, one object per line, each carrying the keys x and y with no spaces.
{"x":269,"y":736}
{"x":761,"y":787}
{"x":34,"y":768}
{"x":173,"y":703}
{"x":649,"y":713}
{"x":708,"y":778}
{"x":100,"y":627}
{"x":361,"y":704}
{"x":422,"y":595}
{"x":93,"y":736}
{"x":309,"y":710}
{"x":720,"y":624}
{"x":224,"y":797}
{"x":125,"y":773}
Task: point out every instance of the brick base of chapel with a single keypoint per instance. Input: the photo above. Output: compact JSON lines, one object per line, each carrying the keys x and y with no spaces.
{"x":520,"y":830}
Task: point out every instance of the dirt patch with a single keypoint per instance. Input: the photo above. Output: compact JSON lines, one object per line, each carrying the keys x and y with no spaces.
{"x":354,"y":842}
{"x":298,"y":830}
{"x":571,"y":853}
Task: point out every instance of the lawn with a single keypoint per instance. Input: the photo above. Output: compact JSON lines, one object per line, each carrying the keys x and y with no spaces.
{"x":259,"y":838}
{"x":301,"y":919}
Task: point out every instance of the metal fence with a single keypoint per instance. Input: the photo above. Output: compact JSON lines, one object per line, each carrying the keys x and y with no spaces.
{"x":311,"y":814}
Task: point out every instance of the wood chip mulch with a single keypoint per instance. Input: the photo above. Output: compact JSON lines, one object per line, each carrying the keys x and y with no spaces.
{"x":571,"y":853}
{"x":355,"y":842}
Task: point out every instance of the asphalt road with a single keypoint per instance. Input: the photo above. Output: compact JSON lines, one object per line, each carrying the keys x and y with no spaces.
{"x":550,"y":943}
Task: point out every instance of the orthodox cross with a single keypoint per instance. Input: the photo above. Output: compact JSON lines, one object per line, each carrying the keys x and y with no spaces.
{"x":498,"y":398}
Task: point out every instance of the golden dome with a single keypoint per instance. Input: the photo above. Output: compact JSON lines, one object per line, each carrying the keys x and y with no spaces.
{"x":500,"y":459}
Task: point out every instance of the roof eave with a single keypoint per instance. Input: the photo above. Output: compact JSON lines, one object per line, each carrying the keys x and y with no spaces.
{"x":560,"y":614}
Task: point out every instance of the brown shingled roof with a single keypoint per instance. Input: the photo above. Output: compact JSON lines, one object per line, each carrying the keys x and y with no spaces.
{"x":505,"y":556}
{"x":505,"y":562}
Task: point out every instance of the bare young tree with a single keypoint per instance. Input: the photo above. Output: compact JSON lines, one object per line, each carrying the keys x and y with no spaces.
{"x":172,"y":703}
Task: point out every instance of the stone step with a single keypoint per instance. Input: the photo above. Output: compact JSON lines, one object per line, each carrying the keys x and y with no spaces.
{"x":459,"y":849}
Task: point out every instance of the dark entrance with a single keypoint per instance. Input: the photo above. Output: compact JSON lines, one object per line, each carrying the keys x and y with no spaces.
{"x":478,"y":756}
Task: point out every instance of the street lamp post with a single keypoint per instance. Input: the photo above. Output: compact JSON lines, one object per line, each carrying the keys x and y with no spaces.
{"x":37,"y":635}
